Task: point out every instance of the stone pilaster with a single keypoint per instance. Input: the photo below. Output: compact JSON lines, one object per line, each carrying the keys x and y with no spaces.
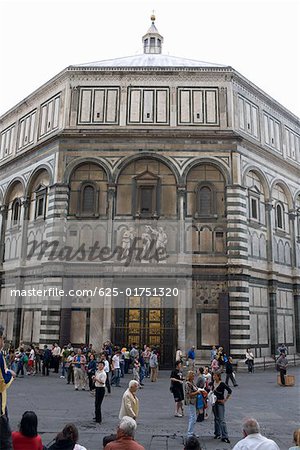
{"x":269,"y":225}
{"x":273,"y":315}
{"x":3,"y":212}
{"x":51,"y":307}
{"x":111,"y":206}
{"x":24,"y":222}
{"x":181,"y":195}
{"x":238,"y":277}
{"x":107,"y":312}
{"x":184,"y":310}
{"x":292,"y":217}
{"x":53,"y":276}
{"x":296,"y":293}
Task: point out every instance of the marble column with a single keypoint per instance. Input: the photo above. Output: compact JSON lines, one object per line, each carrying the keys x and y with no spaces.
{"x":273,"y":286}
{"x":296,"y":293}
{"x":238,"y":270}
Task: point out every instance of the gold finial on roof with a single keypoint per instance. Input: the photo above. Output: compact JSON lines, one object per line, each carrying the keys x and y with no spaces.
{"x":153,"y":16}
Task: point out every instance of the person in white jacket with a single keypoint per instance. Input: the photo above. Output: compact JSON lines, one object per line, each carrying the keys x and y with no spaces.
{"x":253,"y":440}
{"x":130,"y":402}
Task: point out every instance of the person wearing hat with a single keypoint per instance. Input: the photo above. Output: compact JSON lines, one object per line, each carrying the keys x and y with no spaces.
{"x":6,"y":378}
{"x":191,"y":358}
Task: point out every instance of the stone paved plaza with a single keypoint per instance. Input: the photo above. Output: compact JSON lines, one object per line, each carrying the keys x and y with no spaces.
{"x":56,"y":403}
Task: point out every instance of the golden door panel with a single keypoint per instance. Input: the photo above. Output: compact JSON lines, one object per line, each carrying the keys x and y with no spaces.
{"x":154,"y":315}
{"x":134,"y":315}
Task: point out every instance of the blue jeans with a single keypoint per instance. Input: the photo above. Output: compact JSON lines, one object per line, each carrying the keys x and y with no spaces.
{"x":117,"y":374}
{"x":122,"y":368}
{"x":220,"y":424}
{"x":192,"y":419}
{"x":63,"y":369}
{"x":20,"y":368}
{"x":142,"y":374}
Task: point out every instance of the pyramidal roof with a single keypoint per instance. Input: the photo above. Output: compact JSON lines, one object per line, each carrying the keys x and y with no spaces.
{"x":149,"y":60}
{"x":152,"y":56}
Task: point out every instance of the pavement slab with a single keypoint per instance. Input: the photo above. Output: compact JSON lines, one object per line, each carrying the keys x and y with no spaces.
{"x":56,"y":403}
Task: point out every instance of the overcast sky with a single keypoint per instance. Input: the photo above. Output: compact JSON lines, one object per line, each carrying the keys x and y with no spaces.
{"x":259,"y":38}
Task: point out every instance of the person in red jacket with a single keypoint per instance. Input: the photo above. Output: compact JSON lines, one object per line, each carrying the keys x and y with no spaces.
{"x":27,"y":438}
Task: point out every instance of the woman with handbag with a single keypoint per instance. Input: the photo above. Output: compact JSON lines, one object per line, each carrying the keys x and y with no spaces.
{"x":191,"y":392}
{"x":219,"y":388}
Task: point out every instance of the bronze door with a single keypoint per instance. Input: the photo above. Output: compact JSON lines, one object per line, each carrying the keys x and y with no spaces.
{"x":146,"y":321}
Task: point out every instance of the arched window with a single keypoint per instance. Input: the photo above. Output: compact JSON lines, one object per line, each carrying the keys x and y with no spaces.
{"x":279,"y":216}
{"x":205,"y":200}
{"x":88,"y":200}
{"x":16,"y":211}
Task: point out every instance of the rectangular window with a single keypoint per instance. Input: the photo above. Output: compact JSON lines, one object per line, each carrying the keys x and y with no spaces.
{"x":148,"y":105}
{"x":7,"y":141}
{"x":198,"y":106}
{"x":99,"y":105}
{"x":277,"y":135}
{"x":56,"y":113}
{"x":32,"y":128}
{"x":211,"y":107}
{"x":148,"y":102}
{"x":272,"y":135}
{"x":146,"y":205}
{"x":241,"y":114}
{"x":254,"y":208}
{"x":248,"y":116}
{"x":27,"y":130}
{"x":111,"y":105}
{"x":266,"y":129}
{"x":271,"y":131}
{"x":135,"y":106}
{"x":40,"y":204}
{"x":254,"y":121}
{"x":292,"y":144}
{"x":49,"y":115}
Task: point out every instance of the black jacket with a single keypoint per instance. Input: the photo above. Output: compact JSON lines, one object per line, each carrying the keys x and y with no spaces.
{"x":228,"y":367}
{"x":47,"y":355}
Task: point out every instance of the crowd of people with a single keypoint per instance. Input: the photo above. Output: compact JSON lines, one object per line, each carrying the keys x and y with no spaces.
{"x":200,"y":391}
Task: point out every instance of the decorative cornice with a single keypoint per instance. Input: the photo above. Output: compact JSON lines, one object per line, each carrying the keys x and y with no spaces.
{"x":267,"y":100}
{"x":155,"y":69}
{"x":28,"y":102}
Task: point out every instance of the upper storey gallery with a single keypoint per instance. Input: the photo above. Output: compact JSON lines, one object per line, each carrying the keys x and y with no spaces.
{"x":150,"y":91}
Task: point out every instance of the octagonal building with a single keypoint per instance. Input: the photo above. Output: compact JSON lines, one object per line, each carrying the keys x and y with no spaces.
{"x":108,"y":144}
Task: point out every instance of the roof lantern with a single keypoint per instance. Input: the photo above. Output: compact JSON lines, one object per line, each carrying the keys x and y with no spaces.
{"x":152,"y":40}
